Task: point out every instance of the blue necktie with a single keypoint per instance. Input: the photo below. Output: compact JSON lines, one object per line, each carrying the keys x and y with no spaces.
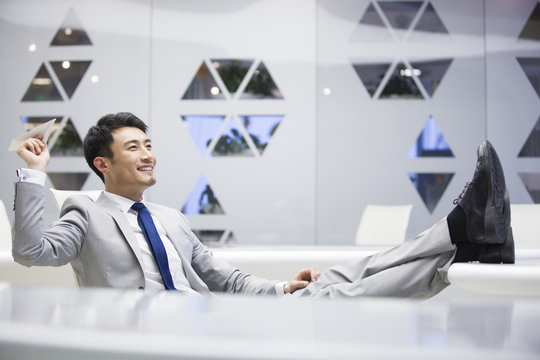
{"x":156,"y":245}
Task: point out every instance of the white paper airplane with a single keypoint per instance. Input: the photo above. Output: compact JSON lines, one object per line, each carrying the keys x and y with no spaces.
{"x":41,"y":130}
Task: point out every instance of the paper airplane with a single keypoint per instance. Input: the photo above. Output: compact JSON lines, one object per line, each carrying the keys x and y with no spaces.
{"x":41,"y":130}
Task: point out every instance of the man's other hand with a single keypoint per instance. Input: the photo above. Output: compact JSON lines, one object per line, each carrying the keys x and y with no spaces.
{"x":301,"y":280}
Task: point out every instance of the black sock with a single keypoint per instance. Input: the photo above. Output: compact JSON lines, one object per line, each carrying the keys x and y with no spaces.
{"x":457,"y":225}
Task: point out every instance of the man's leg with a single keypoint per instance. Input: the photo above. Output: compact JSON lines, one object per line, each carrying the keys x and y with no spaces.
{"x":478,"y":229}
{"x":414,"y":268}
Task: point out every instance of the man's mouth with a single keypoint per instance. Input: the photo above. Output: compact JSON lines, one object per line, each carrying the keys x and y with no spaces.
{"x":146,"y":168}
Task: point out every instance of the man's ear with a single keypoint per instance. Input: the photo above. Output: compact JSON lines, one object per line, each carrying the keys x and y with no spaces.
{"x":101,"y":164}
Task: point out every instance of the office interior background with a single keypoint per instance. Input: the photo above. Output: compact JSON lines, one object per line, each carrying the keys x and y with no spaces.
{"x":277,"y":122}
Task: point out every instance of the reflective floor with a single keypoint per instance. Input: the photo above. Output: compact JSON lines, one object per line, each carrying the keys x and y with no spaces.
{"x":47,"y":323}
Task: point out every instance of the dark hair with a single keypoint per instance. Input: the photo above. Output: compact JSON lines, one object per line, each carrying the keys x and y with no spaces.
{"x":98,"y":140}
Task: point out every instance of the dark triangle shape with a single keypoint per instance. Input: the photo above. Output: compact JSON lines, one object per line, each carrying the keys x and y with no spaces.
{"x":209,"y":237}
{"x":202,"y":129}
{"x":68,"y":181}
{"x":202,"y":200}
{"x":431,"y":73}
{"x":371,"y":17}
{"x":71,"y":32}
{"x":430,"y":21}
{"x":203,"y":86}
{"x":261,"y":85}
{"x":231,"y":142}
{"x":68,"y":143}
{"x":261,"y":128}
{"x":42,"y":87}
{"x":532,"y":184}
{"x":371,"y":75}
{"x":531,"y":148}
{"x":70,"y":76}
{"x":430,"y":187}
{"x":430,"y":142}
{"x":531,"y":30}
{"x":400,"y":14}
{"x":401,"y":85}
{"x":531,"y":68}
{"x":232,"y":71}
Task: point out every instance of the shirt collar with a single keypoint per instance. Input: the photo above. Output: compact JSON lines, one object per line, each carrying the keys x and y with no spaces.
{"x":123,"y":204}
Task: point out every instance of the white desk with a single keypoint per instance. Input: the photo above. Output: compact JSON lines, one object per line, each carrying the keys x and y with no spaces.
{"x":48,"y":323}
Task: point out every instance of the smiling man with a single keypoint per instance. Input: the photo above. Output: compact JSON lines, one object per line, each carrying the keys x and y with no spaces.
{"x":123,"y":241}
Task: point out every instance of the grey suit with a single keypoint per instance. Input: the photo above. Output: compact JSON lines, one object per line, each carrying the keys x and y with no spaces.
{"x":101,"y":247}
{"x":98,"y":242}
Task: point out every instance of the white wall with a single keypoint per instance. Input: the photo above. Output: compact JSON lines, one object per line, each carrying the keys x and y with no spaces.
{"x":332,"y":154}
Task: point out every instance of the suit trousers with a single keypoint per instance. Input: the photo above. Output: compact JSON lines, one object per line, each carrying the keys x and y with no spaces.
{"x":415,"y":268}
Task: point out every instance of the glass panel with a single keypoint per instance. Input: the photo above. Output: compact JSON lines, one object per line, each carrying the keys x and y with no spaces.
{"x":371,"y":75}
{"x":68,"y":142}
{"x":202,"y":129}
{"x":202,"y":200}
{"x":209,"y":237}
{"x":400,"y":14}
{"x":531,"y":67}
{"x":401,"y":85}
{"x":531,"y":148}
{"x":430,"y":21}
{"x":68,"y":181}
{"x":531,"y":30}
{"x":71,"y":32}
{"x":430,"y":142}
{"x":532,"y":184}
{"x":203,"y":86}
{"x":70,"y":73}
{"x":42,"y":88}
{"x":261,"y":128}
{"x":232,"y":72}
{"x":231,"y":142}
{"x":431,"y":73}
{"x":261,"y":85}
{"x":430,"y":187}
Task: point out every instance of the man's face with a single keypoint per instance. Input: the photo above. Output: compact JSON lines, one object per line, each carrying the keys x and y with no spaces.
{"x":131,"y":170}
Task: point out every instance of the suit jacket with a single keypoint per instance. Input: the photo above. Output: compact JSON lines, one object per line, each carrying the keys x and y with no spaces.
{"x":96,"y":239}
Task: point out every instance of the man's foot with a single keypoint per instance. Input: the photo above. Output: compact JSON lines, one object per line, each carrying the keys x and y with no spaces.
{"x":484,"y":200}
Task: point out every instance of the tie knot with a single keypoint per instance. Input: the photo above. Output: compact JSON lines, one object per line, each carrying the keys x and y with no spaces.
{"x":138,"y":206}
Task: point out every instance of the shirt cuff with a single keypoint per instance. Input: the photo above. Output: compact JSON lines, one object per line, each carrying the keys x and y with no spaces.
{"x":279,"y":288}
{"x":32,"y":176}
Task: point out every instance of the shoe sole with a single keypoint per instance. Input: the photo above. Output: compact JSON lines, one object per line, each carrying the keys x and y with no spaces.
{"x":497,"y":212}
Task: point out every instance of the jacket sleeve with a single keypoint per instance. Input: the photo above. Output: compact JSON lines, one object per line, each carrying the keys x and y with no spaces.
{"x":33,"y":244}
{"x":221,"y":276}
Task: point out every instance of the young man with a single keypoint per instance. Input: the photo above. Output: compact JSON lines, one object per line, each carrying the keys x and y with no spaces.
{"x":122,"y":241}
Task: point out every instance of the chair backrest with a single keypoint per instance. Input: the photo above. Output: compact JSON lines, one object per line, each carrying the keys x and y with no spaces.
{"x":526,"y":225}
{"x":383,"y":224}
{"x":5,"y":229}
{"x":61,"y":195}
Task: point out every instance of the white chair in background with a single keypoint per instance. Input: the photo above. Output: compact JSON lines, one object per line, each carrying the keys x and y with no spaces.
{"x":383,"y":224}
{"x":526,"y":225}
{"x":61,"y":195}
{"x":5,"y":229}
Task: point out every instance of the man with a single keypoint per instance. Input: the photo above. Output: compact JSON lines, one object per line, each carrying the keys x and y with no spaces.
{"x":117,"y":241}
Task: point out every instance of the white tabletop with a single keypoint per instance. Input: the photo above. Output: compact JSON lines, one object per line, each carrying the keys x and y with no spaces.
{"x":56,"y":323}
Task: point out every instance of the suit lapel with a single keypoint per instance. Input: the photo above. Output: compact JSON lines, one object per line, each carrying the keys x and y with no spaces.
{"x":179,"y":241}
{"x":120,"y":218}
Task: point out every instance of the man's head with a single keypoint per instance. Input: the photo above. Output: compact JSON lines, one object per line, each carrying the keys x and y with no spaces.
{"x":120,"y":153}
{"x":99,"y":138}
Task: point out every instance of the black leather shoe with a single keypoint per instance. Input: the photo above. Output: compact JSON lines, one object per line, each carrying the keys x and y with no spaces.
{"x":497,"y":254}
{"x":483,"y":200}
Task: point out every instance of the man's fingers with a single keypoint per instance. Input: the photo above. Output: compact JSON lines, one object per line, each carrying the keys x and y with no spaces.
{"x":294,"y":285}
